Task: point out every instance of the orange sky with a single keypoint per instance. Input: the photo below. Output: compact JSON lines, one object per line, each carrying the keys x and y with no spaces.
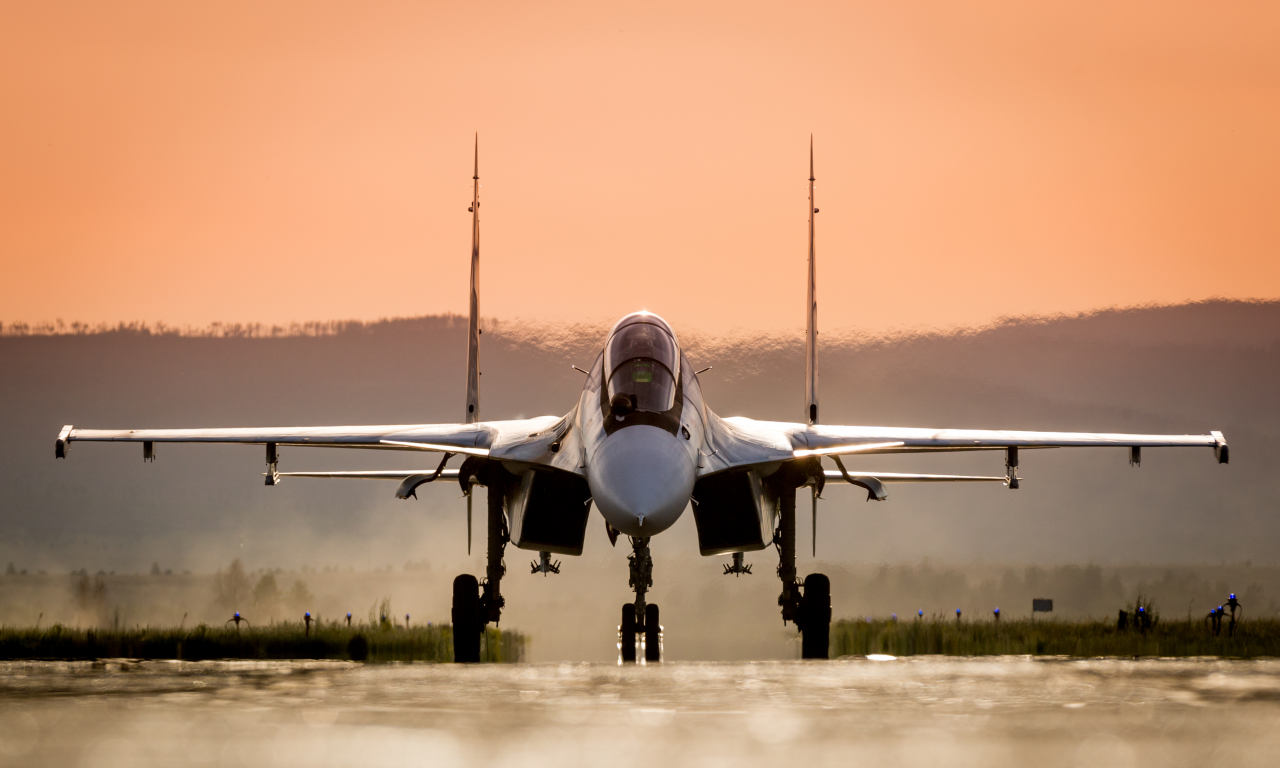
{"x":249,"y":161}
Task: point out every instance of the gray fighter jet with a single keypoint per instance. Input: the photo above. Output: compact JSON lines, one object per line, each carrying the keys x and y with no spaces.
{"x":642,"y":445}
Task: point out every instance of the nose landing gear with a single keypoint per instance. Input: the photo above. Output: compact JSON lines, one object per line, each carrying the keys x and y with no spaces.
{"x":640,"y":619}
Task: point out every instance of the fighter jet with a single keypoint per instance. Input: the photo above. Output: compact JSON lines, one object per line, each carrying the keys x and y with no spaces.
{"x":642,"y":446}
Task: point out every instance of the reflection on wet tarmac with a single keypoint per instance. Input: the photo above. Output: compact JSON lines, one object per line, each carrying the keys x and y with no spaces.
{"x":918,"y":711}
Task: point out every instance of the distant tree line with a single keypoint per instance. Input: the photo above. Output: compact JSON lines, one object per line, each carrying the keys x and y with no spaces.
{"x":220,"y":330}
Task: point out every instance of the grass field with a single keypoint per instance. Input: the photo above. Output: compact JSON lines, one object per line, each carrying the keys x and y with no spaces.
{"x":913,"y":637}
{"x":277,"y":641}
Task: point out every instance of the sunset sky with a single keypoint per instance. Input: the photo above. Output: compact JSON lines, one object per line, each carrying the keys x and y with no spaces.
{"x":282,"y":161}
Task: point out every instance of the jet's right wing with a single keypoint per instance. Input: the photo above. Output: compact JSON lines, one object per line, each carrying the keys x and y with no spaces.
{"x":376,"y":474}
{"x":534,"y":440}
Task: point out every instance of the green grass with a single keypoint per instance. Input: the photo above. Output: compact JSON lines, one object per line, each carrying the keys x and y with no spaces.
{"x":911,"y":637}
{"x":278,"y":641}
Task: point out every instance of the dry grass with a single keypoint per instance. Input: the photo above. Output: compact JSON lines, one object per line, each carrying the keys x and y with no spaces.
{"x":911,"y":637}
{"x":278,"y":641}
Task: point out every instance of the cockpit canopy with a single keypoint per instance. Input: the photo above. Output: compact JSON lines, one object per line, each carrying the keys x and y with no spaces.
{"x":642,"y":363}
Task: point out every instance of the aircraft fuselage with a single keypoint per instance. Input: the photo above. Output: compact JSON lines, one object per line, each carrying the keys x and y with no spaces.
{"x":641,"y":418}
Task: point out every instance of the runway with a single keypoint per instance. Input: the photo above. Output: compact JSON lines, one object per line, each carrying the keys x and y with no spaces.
{"x":926,"y":711}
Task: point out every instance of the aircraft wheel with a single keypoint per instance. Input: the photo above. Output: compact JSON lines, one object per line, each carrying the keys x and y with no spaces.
{"x":629,"y":632}
{"x":466,"y":619}
{"x":652,"y":632}
{"x":815,"y":612}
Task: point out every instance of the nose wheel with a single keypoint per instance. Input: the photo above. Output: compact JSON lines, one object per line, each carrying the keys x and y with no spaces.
{"x":641,"y":630}
{"x":640,"y":639}
{"x":652,"y":634}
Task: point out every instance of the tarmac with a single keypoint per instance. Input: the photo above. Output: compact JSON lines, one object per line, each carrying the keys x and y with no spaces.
{"x":920,"y":711}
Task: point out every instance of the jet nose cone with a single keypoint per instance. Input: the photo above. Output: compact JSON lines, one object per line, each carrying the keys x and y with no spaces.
{"x":641,"y":478}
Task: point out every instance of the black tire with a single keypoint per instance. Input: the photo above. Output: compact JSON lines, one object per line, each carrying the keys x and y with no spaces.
{"x":652,"y":643}
{"x":466,"y":619}
{"x":628,"y":632}
{"x":815,"y":617}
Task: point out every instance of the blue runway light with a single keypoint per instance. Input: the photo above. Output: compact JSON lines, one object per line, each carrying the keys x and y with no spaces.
{"x":237,"y":614}
{"x":308,"y":614}
{"x":1231,"y":596}
{"x":920,"y":612}
{"x":895,"y":617}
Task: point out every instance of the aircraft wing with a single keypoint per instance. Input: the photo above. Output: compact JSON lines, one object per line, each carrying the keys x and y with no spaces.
{"x":874,"y":482}
{"x":376,"y":474}
{"x":739,"y":441}
{"x":835,"y":476}
{"x":513,"y":440}
{"x":409,"y":479}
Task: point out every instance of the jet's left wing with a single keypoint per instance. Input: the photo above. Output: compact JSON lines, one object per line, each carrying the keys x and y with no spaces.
{"x":827,"y":440}
{"x":739,"y":441}
{"x":874,"y":482}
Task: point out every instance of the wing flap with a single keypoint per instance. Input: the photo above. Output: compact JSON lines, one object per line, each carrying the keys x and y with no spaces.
{"x":377,"y":474}
{"x":833,"y":475}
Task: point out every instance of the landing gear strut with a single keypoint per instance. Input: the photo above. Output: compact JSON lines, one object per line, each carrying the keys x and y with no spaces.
{"x":476,"y":604}
{"x":807,"y":605}
{"x":640,"y":617}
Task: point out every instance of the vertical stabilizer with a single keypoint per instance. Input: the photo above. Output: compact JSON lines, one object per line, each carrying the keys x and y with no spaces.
{"x":473,"y":327}
{"x":811,"y":321}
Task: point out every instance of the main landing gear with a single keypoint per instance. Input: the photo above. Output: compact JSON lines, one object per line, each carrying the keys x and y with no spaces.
{"x":808,"y":605}
{"x":476,"y":604}
{"x":640,"y":619}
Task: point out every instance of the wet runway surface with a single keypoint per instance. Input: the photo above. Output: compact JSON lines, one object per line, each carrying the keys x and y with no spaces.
{"x":926,"y":711}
